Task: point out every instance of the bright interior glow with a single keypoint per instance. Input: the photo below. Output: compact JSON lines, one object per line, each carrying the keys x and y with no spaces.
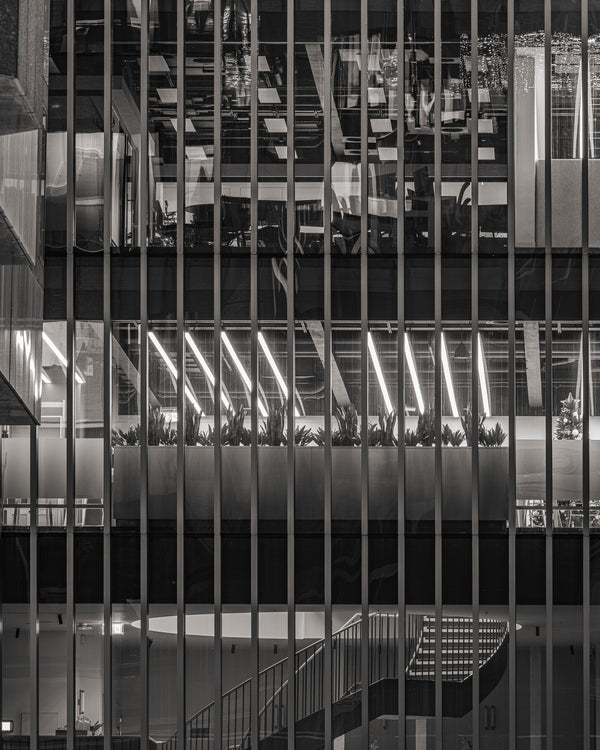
{"x":271,"y":625}
{"x":117,"y":628}
{"x":61,"y":358}
{"x":448,"y":378}
{"x":273,"y":364}
{"x":45,"y":378}
{"x":379,"y":372}
{"x":410,"y":359}
{"x":204,"y":365}
{"x":7,"y":725}
{"x":173,"y":369}
{"x":243,"y":374}
{"x":482,"y":379}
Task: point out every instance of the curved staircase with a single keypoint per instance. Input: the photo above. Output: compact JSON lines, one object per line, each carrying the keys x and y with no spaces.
{"x":420,"y":636}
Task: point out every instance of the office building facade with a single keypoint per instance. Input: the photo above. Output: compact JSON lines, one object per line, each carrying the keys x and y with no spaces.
{"x":316,"y":460}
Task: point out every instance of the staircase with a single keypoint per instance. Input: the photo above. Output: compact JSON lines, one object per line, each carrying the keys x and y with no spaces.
{"x":420,"y":636}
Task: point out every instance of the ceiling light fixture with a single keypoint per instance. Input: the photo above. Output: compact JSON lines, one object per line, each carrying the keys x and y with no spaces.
{"x":448,"y":378}
{"x":243,"y":374}
{"x":204,"y":365}
{"x":273,"y":364}
{"x":173,"y":369}
{"x":482,"y":378}
{"x":379,"y":373}
{"x":410,"y":359}
{"x":60,"y":356}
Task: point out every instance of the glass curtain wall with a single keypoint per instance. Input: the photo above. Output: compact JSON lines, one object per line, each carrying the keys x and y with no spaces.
{"x":321,"y":460}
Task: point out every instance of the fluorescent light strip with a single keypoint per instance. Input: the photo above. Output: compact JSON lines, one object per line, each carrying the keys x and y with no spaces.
{"x":61,"y":358}
{"x":276,"y":372}
{"x":173,"y":369}
{"x":243,"y":374}
{"x":204,"y":365}
{"x":482,"y":379}
{"x":379,"y":372}
{"x":412,"y":368}
{"x":45,"y":378}
{"x":448,"y":378}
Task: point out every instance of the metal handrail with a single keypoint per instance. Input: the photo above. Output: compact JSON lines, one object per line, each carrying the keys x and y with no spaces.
{"x":309,"y":671}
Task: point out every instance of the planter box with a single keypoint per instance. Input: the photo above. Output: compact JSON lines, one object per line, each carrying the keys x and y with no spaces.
{"x":567,"y":469}
{"x":272,"y":483}
{"x":383,"y":483}
{"x":345,"y":483}
{"x":309,"y":483}
{"x":126,"y":483}
{"x":419,"y":479}
{"x":199,"y":482}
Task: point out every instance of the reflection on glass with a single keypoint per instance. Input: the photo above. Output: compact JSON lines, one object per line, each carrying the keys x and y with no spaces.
{"x":16,"y":695}
{"x":125,"y":428}
{"x":530,"y":425}
{"x":52,"y":673}
{"x":89,"y":684}
{"x":52,"y":454}
{"x":126,"y":686}
{"x":531,"y":673}
{"x":89,"y":396}
{"x":14,"y":447}
{"x":162,"y":672}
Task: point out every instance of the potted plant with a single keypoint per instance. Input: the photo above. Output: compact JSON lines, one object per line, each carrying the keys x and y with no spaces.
{"x":126,"y":474}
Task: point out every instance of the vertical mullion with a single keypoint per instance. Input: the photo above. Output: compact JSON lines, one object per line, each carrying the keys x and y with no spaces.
{"x":548,"y":355}
{"x":70,"y":395}
{"x":106,"y":383}
{"x":512,"y":455}
{"x":291,"y":380}
{"x":585,"y":372}
{"x":364,"y":372}
{"x":475,"y":363}
{"x":401,"y":654}
{"x":34,"y":626}
{"x":437,"y":41}
{"x":217,"y":498}
{"x":180,"y":357}
{"x":143,"y":199}
{"x":254,"y":692}
{"x":327,"y":407}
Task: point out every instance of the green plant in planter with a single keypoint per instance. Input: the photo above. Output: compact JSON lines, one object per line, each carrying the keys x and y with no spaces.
{"x":452,"y":437}
{"x":272,"y":430}
{"x":192,"y":425}
{"x":382,"y":433}
{"x":347,"y":431}
{"x":206,"y":438}
{"x":160,"y":433}
{"x":319,"y":437}
{"x":425,"y":434}
{"x":303,"y":435}
{"x":233,"y":431}
{"x":411,"y":439}
{"x":492,"y":438}
{"x":131,"y":437}
{"x":467,"y":423}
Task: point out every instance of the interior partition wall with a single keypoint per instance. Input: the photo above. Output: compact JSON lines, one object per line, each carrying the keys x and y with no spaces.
{"x":316,"y":465}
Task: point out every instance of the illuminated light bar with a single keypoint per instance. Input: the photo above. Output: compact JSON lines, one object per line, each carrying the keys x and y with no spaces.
{"x":278,"y":376}
{"x":482,"y":379}
{"x":173,"y":369}
{"x":379,"y":372}
{"x":204,"y":365}
{"x":448,"y":378}
{"x":412,"y":368}
{"x":243,"y":374}
{"x":61,"y":358}
{"x":45,"y":378}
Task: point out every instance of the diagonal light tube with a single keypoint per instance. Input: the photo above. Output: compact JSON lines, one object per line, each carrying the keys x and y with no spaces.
{"x":204,"y":365}
{"x":173,"y":369}
{"x":482,"y":379}
{"x":379,"y":373}
{"x":448,"y":378}
{"x":45,"y":378}
{"x":278,"y":376}
{"x":61,"y":357}
{"x":412,"y":368}
{"x":243,"y":374}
